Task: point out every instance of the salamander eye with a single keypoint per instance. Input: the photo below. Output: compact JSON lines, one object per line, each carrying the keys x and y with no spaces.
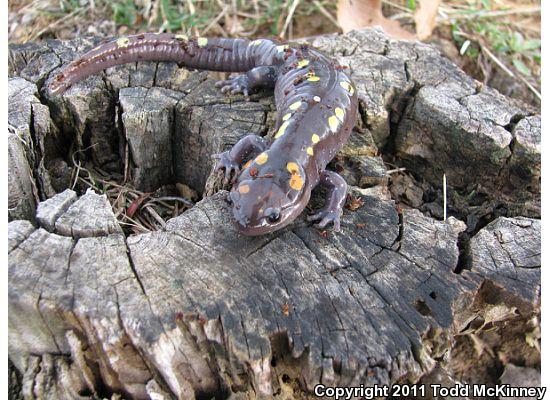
{"x":273,"y":216}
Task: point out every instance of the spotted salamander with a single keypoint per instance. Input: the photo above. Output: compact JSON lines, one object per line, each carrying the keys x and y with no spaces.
{"x":316,"y":103}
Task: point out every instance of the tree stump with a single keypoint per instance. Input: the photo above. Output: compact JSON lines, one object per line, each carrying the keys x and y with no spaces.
{"x":196,"y":311}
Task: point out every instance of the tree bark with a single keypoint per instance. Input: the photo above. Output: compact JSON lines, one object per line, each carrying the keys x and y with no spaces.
{"x":196,"y":311}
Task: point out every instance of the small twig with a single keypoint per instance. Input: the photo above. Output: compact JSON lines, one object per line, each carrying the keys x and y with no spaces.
{"x":145,"y":220}
{"x":398,"y":6}
{"x":153,"y":13}
{"x":326,"y":13}
{"x":126,"y":161}
{"x":132,"y":220}
{"x":528,"y":28}
{"x":490,"y":13}
{"x":444,"y":197}
{"x":391,"y":164}
{"x":509,"y":72}
{"x":499,"y":63}
{"x":195,"y":29}
{"x":117,"y":204}
{"x":234,"y":26}
{"x":222,"y":30}
{"x":164,"y":204}
{"x":496,"y":60}
{"x":215,"y":20}
{"x":402,"y":15}
{"x":90,"y":184}
{"x":76,"y":173}
{"x":393,"y":171}
{"x":135,"y":225}
{"x":55,"y":23}
{"x":79,"y":167}
{"x":119,"y":196}
{"x":173,"y":198}
{"x":289,"y":17}
{"x":155,"y":215}
{"x":124,"y":188}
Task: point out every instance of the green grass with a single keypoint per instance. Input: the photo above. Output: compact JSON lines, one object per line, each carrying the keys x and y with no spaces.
{"x":176,"y":16}
{"x":507,"y":43}
{"x":124,"y":13}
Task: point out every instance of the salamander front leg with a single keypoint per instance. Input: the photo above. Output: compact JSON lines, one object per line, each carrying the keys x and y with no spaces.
{"x":259,"y":77}
{"x":331,"y":212}
{"x":231,"y":160}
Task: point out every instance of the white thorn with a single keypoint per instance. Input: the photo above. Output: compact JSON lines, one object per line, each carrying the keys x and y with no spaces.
{"x":444,"y":197}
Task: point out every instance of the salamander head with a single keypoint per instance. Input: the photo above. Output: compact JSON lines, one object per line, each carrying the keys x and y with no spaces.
{"x":58,"y":84}
{"x":268,"y":195}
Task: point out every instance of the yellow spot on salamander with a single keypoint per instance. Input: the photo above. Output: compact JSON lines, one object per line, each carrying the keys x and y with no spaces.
{"x":202,"y":41}
{"x":303,"y":63}
{"x":244,"y":189}
{"x":293,"y":168}
{"x":313,"y":78}
{"x":287,"y":116}
{"x":315,"y":138}
{"x":296,"y":182}
{"x":333,"y":123}
{"x":247,"y":164}
{"x":123,"y":42}
{"x":256,"y":42}
{"x":281,"y":130}
{"x":348,"y":87}
{"x":309,"y":151}
{"x":261,"y":159}
{"x":295,"y":106}
{"x":339,"y":113}
{"x":182,"y":37}
{"x":282,"y":48}
{"x":317,"y":99}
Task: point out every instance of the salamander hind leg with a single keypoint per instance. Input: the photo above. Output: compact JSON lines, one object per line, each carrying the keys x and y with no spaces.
{"x":332,"y":210}
{"x":231,"y":160}
{"x":259,"y":77}
{"x":235,"y":85}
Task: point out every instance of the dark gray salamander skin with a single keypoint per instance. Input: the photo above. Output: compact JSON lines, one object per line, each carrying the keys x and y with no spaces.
{"x":317,"y":108}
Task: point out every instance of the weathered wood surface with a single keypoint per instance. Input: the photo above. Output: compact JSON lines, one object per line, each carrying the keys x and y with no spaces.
{"x":196,"y":310}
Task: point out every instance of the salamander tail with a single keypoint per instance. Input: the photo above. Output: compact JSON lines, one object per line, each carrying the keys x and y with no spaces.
{"x":220,"y":54}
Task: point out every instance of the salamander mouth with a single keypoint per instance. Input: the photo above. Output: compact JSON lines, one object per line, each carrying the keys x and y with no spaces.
{"x":251,"y":225}
{"x":247,"y":230}
{"x":58,"y":85}
{"x":242,"y":224}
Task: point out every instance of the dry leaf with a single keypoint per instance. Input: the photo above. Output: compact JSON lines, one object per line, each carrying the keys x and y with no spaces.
{"x":355,"y":203}
{"x":323,"y":233}
{"x":358,"y":14}
{"x":186,"y":192}
{"x":285,"y":308}
{"x":424,"y":18}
